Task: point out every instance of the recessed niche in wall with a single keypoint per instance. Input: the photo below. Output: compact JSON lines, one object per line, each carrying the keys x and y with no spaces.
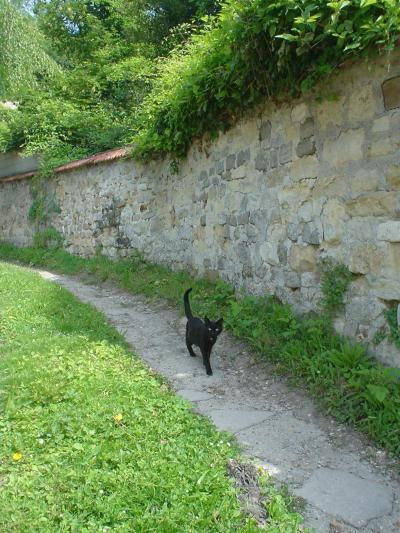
{"x":391,"y":93}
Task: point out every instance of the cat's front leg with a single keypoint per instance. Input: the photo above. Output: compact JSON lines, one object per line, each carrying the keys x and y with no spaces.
{"x":189,"y":347}
{"x":206,"y":362}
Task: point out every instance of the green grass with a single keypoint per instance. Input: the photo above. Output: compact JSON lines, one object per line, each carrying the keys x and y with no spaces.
{"x":91,"y":440}
{"x":346,"y":383}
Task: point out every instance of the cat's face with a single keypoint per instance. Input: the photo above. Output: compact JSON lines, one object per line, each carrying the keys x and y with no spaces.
{"x":213,"y":328}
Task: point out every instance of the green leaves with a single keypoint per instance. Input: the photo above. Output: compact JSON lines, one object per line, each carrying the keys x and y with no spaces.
{"x":377,"y":392}
{"x":335,"y":281}
{"x":272,"y":46}
{"x":23,"y":56}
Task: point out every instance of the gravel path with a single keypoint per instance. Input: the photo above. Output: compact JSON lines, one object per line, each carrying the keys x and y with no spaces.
{"x":347,"y":484}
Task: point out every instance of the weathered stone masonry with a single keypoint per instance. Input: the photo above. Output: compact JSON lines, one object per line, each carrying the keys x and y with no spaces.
{"x":261,"y":205}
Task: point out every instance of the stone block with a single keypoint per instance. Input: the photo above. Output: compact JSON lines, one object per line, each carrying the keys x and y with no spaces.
{"x":378,"y":203}
{"x":306,"y":147}
{"x":310,"y":279}
{"x":381,"y":125}
{"x":261,"y":162}
{"x":232,"y":220}
{"x":243,"y":218}
{"x":393,"y":177}
{"x":251,"y":232}
{"x":365,"y":180}
{"x":243,"y":253}
{"x":282,"y":253}
{"x":285,"y":153}
{"x":306,"y":212}
{"x":238,"y":173}
{"x":364,"y":258}
{"x":361,"y":228}
{"x":265,"y":131}
{"x":364,"y":309}
{"x":292,"y":280}
{"x":220,"y":166}
{"x":362,"y":104}
{"x":305,"y":168}
{"x":242,"y":157}
{"x":391,"y":93}
{"x":330,"y":113}
{"x":269,"y":253}
{"x":293,"y":231}
{"x":307,"y":128}
{"x":380,"y":147}
{"x":387,"y":289}
{"x":311,"y":234}
{"x":273,"y":158}
{"x":389,"y":231}
{"x":230,"y":162}
{"x":300,"y":112}
{"x":347,"y":147}
{"x":303,"y":258}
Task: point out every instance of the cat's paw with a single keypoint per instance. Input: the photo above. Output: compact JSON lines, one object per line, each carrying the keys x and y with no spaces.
{"x":209,"y":372}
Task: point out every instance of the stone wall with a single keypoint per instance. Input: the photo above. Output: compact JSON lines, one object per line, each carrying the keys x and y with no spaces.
{"x":260,"y":206}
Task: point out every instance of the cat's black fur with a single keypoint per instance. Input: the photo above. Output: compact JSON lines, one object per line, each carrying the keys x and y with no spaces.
{"x":202,"y":334}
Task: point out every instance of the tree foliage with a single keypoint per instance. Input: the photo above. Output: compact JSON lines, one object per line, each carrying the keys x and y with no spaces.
{"x":24,"y":61}
{"x":106,"y":52}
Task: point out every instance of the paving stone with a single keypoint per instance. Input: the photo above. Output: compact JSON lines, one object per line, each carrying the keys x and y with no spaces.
{"x":195,"y":395}
{"x":353,"y":499}
{"x":237,"y":419}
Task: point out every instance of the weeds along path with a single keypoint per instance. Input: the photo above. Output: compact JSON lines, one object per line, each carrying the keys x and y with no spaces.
{"x":347,"y":484}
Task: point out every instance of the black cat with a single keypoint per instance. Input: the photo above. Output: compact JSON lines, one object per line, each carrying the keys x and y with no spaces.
{"x":202,"y":334}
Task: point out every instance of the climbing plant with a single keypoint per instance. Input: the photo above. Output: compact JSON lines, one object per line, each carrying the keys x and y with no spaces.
{"x":334,"y":284}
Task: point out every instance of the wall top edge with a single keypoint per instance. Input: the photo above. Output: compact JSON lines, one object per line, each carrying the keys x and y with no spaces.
{"x":101,"y":157}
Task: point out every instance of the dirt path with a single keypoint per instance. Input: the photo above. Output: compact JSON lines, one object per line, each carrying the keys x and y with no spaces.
{"x":347,"y":484}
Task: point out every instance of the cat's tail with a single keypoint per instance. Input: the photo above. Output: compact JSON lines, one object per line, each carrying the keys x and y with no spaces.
{"x":188,"y":311}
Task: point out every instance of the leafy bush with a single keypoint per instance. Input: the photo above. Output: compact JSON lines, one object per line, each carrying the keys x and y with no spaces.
{"x":61,"y":130}
{"x":253,"y":50}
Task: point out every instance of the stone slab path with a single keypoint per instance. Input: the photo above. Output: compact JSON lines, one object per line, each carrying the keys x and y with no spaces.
{"x":348,"y":485}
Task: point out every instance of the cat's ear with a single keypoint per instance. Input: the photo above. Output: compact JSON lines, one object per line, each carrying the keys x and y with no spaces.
{"x":220,"y":322}
{"x":206,"y":321}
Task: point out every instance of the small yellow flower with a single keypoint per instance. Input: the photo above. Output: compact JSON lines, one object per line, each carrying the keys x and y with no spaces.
{"x":17,"y":456}
{"x":118,"y":418}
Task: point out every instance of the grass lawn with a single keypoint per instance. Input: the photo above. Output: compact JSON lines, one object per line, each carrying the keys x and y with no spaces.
{"x":91,"y":440}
